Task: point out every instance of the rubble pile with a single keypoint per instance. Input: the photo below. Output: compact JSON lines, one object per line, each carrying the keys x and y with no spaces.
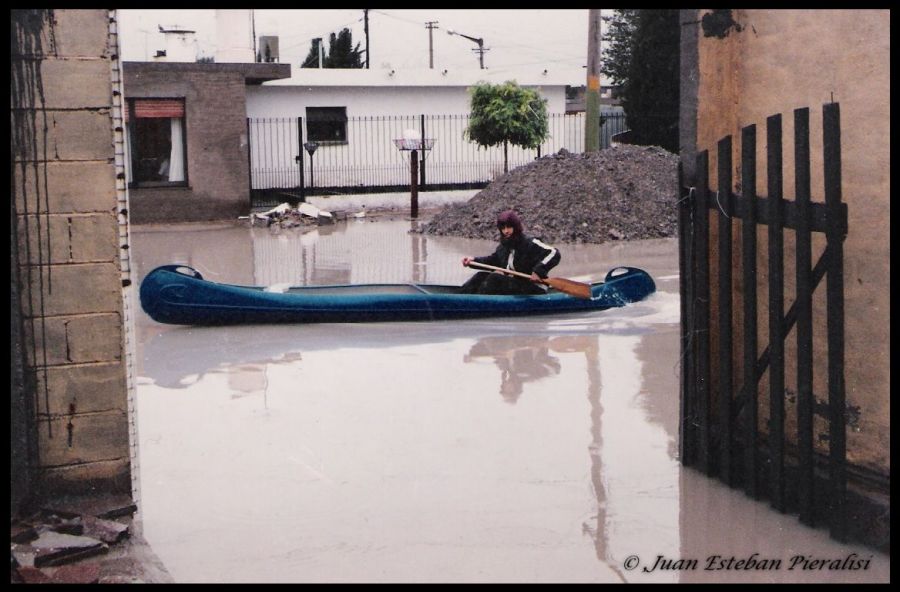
{"x":72,"y":544}
{"x":621,"y":193}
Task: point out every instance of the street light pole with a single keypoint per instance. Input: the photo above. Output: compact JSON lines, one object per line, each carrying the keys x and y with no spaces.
{"x":477,"y":40}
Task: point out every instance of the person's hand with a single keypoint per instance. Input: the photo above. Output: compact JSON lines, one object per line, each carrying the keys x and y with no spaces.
{"x":535,"y":277}
{"x":466,"y":261}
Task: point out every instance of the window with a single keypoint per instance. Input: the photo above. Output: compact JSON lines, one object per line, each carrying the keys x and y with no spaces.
{"x":157,"y":142}
{"x":326,"y":124}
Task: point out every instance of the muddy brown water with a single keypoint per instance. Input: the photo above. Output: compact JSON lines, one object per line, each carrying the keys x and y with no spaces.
{"x":537,"y":449}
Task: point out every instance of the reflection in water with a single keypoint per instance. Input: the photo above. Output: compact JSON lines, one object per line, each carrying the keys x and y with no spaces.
{"x":519,"y":359}
{"x":341,"y":254}
{"x":597,"y":531}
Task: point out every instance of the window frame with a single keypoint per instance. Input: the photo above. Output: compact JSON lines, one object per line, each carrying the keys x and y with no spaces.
{"x":133,"y":136}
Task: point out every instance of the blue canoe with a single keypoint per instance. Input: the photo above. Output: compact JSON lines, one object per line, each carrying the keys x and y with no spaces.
{"x":178,"y":295}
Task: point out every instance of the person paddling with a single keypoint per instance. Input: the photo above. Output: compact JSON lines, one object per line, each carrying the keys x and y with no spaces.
{"x":517,"y":252}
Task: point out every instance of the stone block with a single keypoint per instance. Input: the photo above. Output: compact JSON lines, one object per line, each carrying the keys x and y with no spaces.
{"x":102,"y":506}
{"x":76,"y":340}
{"x":80,"y":135}
{"x":81,"y":439}
{"x":93,"y":478}
{"x":73,"y":289}
{"x":71,"y":238}
{"x":76,"y":84}
{"x":70,"y":187}
{"x":82,"y":389}
{"x":38,"y":232}
{"x":70,"y":135}
{"x":81,"y":33}
{"x":94,"y":238}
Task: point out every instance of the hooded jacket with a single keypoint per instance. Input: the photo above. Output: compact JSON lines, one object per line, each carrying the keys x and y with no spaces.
{"x":521,"y":252}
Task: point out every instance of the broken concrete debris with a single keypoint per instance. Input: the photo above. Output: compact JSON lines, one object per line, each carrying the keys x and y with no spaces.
{"x":56,"y":544}
{"x":284,"y":216}
{"x":55,"y":548}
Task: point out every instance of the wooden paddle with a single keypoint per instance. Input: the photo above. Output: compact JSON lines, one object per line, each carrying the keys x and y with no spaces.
{"x":570,"y":287}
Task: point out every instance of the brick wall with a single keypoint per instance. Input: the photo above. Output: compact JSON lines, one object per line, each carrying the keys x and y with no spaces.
{"x":216,"y":133}
{"x":67,"y":233}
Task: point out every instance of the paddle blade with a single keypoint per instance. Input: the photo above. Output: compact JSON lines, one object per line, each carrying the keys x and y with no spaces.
{"x":570,"y":287}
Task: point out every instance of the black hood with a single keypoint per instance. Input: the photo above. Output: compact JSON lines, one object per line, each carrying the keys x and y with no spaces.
{"x":509,"y":217}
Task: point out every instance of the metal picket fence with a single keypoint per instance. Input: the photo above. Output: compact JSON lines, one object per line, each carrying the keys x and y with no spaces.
{"x":368,"y":161}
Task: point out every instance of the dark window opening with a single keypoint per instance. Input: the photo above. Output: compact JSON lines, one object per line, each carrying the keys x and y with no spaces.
{"x":326,"y":124}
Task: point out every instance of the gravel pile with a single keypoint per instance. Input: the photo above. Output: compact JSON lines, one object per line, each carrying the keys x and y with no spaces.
{"x":620,"y":193}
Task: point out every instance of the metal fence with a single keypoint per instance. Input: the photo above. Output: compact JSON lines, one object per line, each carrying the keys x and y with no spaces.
{"x":369,"y":162}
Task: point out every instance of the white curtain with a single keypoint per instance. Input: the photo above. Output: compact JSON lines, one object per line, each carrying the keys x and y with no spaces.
{"x":176,"y":157}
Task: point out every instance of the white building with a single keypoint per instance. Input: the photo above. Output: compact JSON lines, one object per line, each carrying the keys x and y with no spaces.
{"x":354,"y":116}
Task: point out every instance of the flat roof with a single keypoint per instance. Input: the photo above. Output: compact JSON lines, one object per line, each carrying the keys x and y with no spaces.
{"x":254,"y":73}
{"x":385,"y":76}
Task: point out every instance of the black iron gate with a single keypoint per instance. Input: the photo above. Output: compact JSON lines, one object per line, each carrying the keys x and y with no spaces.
{"x":720,"y":411}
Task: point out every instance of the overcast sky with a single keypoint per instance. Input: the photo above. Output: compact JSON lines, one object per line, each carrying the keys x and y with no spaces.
{"x":514,"y":38}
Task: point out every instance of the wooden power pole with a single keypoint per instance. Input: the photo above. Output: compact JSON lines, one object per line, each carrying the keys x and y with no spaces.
{"x":592,"y":92}
{"x":431,"y":25}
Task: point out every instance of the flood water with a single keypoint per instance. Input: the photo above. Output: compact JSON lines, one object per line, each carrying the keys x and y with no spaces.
{"x":539,"y":449}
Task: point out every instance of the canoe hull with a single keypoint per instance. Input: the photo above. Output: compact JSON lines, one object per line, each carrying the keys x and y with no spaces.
{"x":177,"y":294}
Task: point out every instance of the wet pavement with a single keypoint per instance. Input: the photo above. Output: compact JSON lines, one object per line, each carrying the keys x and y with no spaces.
{"x":538,"y":449}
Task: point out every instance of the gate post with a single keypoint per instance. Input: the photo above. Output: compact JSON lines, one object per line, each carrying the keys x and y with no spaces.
{"x":837,"y":437}
{"x":687,"y":433}
{"x":700,"y":314}
{"x":300,"y":158}
{"x":776,"y":311}
{"x":750,"y":341}
{"x":805,"y":400}
{"x":726,"y":378}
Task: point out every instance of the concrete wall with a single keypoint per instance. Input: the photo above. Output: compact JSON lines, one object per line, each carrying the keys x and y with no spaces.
{"x":67,"y":232}
{"x":774,"y":61}
{"x":216,"y":133}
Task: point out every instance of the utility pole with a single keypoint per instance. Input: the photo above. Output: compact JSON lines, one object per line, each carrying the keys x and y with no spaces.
{"x":253,"y":33}
{"x":592,"y":92}
{"x":431,"y":25}
{"x":321,"y":52}
{"x":366,"y":29}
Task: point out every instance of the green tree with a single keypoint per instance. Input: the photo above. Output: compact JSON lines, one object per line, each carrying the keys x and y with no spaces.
{"x":644,"y":58}
{"x":341,"y":52}
{"x":618,"y":42}
{"x":506,"y":114}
